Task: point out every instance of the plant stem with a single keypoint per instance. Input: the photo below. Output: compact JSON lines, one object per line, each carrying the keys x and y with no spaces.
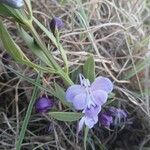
{"x":58,"y":69}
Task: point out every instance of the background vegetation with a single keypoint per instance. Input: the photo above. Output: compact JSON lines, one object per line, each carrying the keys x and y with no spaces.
{"x":115,"y":32}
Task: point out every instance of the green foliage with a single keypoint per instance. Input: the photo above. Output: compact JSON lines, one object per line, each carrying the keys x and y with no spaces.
{"x":28,"y":114}
{"x":60,"y":94}
{"x":34,"y":47}
{"x":55,"y":41}
{"x":89,"y":68}
{"x":16,"y":14}
{"x":15,"y":51}
{"x":66,"y":116}
{"x":85,"y":136}
{"x":138,"y":67}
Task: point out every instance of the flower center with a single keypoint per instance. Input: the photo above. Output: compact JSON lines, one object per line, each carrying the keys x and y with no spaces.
{"x":89,"y":96}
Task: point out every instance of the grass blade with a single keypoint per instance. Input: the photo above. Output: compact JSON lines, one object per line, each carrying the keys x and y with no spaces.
{"x":27,"y":116}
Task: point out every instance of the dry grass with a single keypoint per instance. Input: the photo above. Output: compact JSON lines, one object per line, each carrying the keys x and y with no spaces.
{"x":116,"y":32}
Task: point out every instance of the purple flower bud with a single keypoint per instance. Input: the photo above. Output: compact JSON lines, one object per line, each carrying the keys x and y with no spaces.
{"x":117,"y":112}
{"x":113,"y":117}
{"x":105,"y":120}
{"x":43,"y":104}
{"x":13,"y":3}
{"x":56,"y":22}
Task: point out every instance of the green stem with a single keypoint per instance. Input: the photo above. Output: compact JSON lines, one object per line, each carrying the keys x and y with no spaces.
{"x":85,"y":136}
{"x":58,"y":69}
{"x":66,"y":78}
{"x":43,"y":47}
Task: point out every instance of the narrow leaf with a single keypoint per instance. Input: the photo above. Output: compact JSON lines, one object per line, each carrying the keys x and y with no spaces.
{"x":138,"y":67}
{"x":27,"y":116}
{"x":85,"y":136}
{"x":28,"y":2}
{"x":89,"y":68}
{"x":66,"y":116}
{"x":34,"y":47}
{"x":15,"y":51}
{"x":54,"y":41}
{"x":17,"y":14}
{"x":46,"y":31}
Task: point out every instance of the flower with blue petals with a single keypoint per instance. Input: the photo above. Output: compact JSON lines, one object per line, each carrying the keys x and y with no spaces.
{"x":89,"y":98}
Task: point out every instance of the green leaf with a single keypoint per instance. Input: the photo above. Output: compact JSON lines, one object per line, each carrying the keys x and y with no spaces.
{"x":60,"y":94}
{"x":55,"y":41}
{"x":46,"y":31}
{"x":29,"y":6}
{"x":28,"y":114}
{"x":17,"y":14}
{"x":62,"y":51}
{"x":89,"y":68}
{"x":66,"y":116}
{"x":9,"y":44}
{"x":138,"y":67}
{"x":5,"y":11}
{"x":34,"y":47}
{"x":15,"y":51}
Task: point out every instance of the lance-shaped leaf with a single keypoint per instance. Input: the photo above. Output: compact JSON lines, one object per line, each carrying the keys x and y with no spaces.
{"x":18,"y":15}
{"x":34,"y":47}
{"x":15,"y":51}
{"x":66,"y":116}
{"x":89,"y":68}
{"x":28,"y":3}
{"x":55,"y":41}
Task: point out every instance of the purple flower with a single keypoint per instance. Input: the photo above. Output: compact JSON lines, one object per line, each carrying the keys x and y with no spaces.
{"x":89,"y":98}
{"x":113,"y":116}
{"x":56,"y":22}
{"x":43,"y":104}
{"x":105,"y":120}
{"x":13,"y":3}
{"x":117,"y":112}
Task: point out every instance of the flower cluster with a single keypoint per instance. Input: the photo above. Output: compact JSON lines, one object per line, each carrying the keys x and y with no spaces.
{"x":13,"y":3}
{"x":89,"y":98}
{"x":112,"y":117}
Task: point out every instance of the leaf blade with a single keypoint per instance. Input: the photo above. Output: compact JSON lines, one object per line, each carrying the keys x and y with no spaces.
{"x":66,"y":116}
{"x":89,"y":68}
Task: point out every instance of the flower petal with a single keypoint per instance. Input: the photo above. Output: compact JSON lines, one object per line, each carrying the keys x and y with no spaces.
{"x":100,"y":97}
{"x":91,"y":121}
{"x":102,"y":83}
{"x":93,"y":111}
{"x":81,"y":123}
{"x":74,"y":90}
{"x":117,"y":112}
{"x":80,"y":101}
{"x":105,"y":120}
